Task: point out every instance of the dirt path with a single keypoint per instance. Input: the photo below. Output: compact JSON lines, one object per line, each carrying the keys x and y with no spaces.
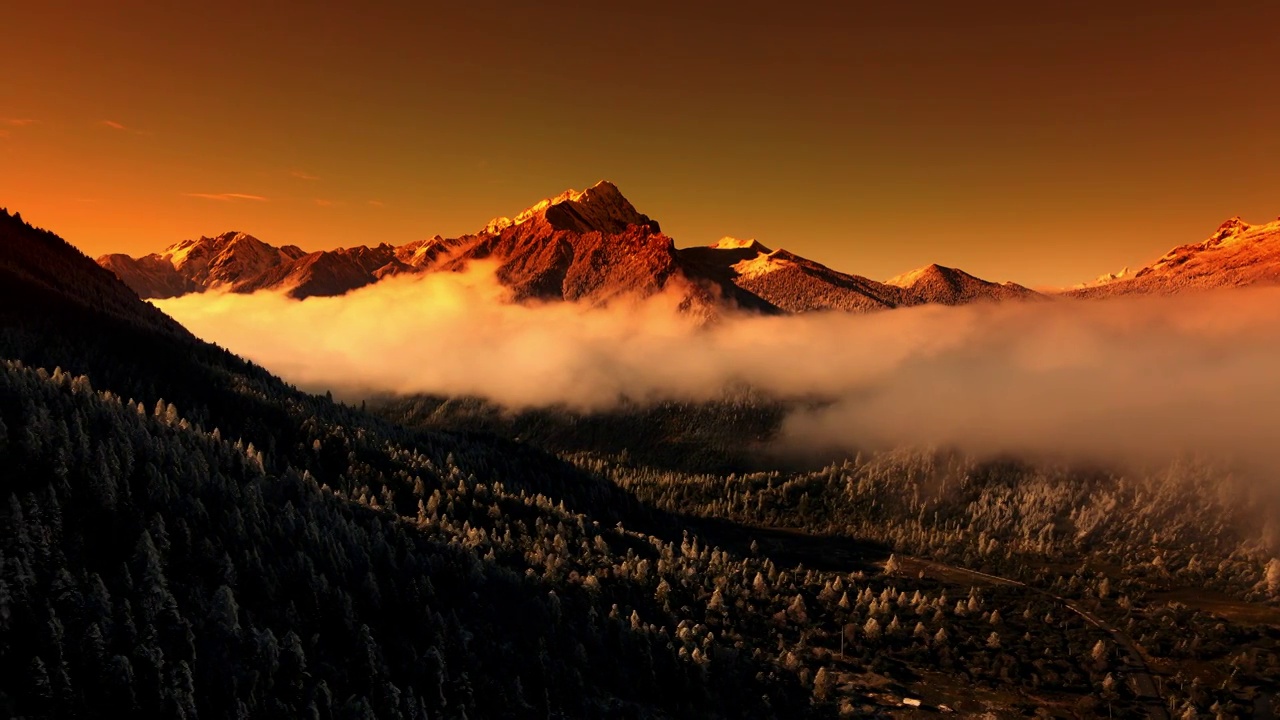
{"x":1144,"y":680}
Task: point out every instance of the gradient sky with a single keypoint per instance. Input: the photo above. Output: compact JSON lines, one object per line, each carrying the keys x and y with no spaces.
{"x":1041,"y":142}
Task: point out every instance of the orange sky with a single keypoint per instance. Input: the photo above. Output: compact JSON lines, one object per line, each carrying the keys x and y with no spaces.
{"x":1040,"y":142}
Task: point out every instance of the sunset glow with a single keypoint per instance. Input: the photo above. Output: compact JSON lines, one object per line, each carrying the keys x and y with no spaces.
{"x":1045,"y":145}
{"x":529,"y":360}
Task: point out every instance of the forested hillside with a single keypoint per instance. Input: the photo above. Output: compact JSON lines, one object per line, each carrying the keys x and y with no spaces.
{"x":152,"y":567}
{"x":1175,"y":564}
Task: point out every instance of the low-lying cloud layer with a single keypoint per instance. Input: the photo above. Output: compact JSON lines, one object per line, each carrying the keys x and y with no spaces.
{"x":1141,"y":378}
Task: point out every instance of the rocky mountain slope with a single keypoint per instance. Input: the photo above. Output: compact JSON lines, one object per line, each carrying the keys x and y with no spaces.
{"x":786,"y":281}
{"x":1235,"y":255}
{"x":590,"y":245}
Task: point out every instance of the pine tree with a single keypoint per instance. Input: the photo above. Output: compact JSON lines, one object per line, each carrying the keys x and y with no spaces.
{"x":823,"y":684}
{"x":892,"y":566}
{"x":1099,"y":653}
{"x":797,"y":611}
{"x":1273,"y":577}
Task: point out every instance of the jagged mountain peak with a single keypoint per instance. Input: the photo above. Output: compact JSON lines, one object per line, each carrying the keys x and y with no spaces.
{"x":205,"y":250}
{"x":599,"y":208}
{"x":220,"y":240}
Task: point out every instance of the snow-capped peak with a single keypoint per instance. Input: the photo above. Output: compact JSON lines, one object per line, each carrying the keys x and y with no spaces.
{"x":601,"y":207}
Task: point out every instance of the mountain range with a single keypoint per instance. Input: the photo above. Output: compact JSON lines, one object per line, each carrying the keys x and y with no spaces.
{"x":593,"y":246}
{"x":590,"y":245}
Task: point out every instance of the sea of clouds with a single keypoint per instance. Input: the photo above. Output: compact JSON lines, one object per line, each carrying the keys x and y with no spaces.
{"x":1139,"y":378}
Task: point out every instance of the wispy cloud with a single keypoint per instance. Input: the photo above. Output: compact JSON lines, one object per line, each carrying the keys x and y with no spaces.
{"x":227,"y":197}
{"x":375,"y":203}
{"x":6,"y":123}
{"x":121,"y":127}
{"x":329,"y":203}
{"x":303,"y":175}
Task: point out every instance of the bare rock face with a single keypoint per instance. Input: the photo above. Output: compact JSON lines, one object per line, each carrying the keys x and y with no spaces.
{"x":583,"y":246}
{"x":1237,"y":254}
{"x":539,"y":261}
